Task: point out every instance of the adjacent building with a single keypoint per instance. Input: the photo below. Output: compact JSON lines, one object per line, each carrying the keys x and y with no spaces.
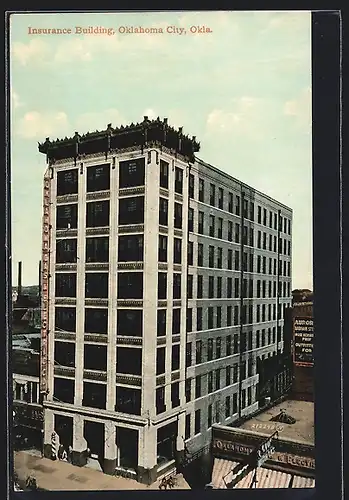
{"x":164,"y":281}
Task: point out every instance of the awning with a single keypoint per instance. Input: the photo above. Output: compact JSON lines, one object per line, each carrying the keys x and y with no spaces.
{"x":303,"y":482}
{"x":266,"y":478}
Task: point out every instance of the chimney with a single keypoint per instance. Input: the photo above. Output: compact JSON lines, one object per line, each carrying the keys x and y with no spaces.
{"x":19,"y":288}
{"x":39,"y":292}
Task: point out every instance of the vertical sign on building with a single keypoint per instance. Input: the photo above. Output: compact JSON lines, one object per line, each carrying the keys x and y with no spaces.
{"x":45,"y":280}
{"x":303,"y":337}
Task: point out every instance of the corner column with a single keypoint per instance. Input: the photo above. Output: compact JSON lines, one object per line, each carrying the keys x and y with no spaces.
{"x":79,"y":453}
{"x":110,"y":448}
{"x":147,"y":453}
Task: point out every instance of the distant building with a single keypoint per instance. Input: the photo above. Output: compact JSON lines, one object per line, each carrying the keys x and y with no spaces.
{"x":165,"y":280}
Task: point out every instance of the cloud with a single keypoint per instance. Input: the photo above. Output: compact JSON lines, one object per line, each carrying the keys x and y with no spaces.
{"x":35,"y":50}
{"x":98,"y":120}
{"x":299,"y":108}
{"x":36,"y":125}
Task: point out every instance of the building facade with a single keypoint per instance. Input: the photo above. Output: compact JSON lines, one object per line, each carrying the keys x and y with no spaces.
{"x":164,"y":279}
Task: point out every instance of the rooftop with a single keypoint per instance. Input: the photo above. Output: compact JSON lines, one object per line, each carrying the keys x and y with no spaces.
{"x":302,"y":430}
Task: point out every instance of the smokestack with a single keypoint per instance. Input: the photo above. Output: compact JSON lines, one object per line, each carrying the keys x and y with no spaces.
{"x":19,"y":291}
{"x":39,"y":294}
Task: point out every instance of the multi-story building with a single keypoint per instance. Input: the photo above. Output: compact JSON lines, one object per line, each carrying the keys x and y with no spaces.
{"x":164,"y":279}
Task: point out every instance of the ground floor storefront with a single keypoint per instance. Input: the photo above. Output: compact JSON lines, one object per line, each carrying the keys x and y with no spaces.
{"x":288,"y":464}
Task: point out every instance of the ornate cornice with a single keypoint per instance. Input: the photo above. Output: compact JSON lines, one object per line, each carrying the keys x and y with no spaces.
{"x":96,"y":337}
{"x":95,"y":375}
{"x":130,"y":265}
{"x":66,"y":198}
{"x":97,"y":231}
{"x":129,"y":340}
{"x":66,"y":233}
{"x":96,"y":302}
{"x":129,"y":303}
{"x":91,"y":266}
{"x":66,"y":301}
{"x":64,"y":371}
{"x":129,"y":380}
{"x":98,"y":195}
{"x":131,"y":191}
{"x":65,"y":267}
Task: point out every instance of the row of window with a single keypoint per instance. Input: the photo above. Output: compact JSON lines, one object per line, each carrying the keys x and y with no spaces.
{"x":247,"y":261}
{"x":26,"y":391}
{"x":130,"y":321}
{"x":232,"y":204}
{"x":131,"y":173}
{"x":210,"y":349}
{"x":267,"y":290}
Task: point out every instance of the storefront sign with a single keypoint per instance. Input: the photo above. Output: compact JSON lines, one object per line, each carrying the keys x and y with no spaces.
{"x":222,"y":445}
{"x":286,"y":458}
{"x":45,"y":280}
{"x":303,"y":336}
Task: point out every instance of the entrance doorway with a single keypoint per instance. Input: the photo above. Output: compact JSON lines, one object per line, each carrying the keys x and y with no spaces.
{"x":127,"y":444}
{"x":166,"y":443}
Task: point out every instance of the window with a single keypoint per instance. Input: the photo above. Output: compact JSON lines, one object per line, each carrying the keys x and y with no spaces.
{"x":188,"y":354}
{"x":65,"y":285}
{"x":163,"y":174}
{"x":235,"y":373}
{"x":66,"y":250}
{"x":259,"y":214}
{"x":198,"y":352}
{"x":175,"y":357}
{"x":161,"y":328}
{"x":67,"y":182}
{"x":178,"y":215}
{"x":130,"y":322}
{"x":94,"y":395}
{"x":95,"y":357}
{"x":176,"y":286}
{"x":162,"y":286}
{"x":67,"y":216}
{"x":130,"y":248}
{"x":128,"y":400}
{"x":189,"y":320}
{"x":259,"y":236}
{"x":237,"y":206}
{"x":210,"y":382}
{"x":210,"y":256}
{"x":229,"y":288}
{"x":210,"y":287}
{"x":236,"y":315}
{"x":227,"y":375}
{"x":244,"y":261}
{"x":220,"y":258}
{"x":176,"y":321}
{"x":264,"y":217}
{"x":230,"y":203}
{"x":251,"y":210}
{"x":218,"y":379}
{"x":237,"y":233}
{"x":236,"y":260}
{"x":63,"y":390}
{"x":131,"y":210}
{"x":197,"y":421}
{"x":177,"y":250}
{"x":191,"y":220}
{"x":65,"y":319}
{"x":190,"y":286}
{"x":97,"y":214}
{"x":210,"y":318}
{"x":163,"y":212}
{"x":229,"y":315}
{"x":190,"y":253}
{"x":175,"y":394}
{"x":264,"y":241}
{"x":220,"y":228}
{"x":212,"y":225}
{"x":64,"y":354}
{"x":275,"y":221}
{"x":132,"y":173}
{"x":162,"y":252}
{"x":230,"y":231}
{"x":96,"y":320}
{"x":227,"y":407}
{"x":179,"y":180}
{"x":230,"y":259}
{"x":200,"y":254}
{"x":201,"y":190}
{"x":219,"y":317}
{"x":98,"y":178}
{"x":209,"y":416}
{"x":218,"y":347}
{"x":197,"y":386}
{"x":258,"y":263}
{"x":236,"y":288}
{"x":160,"y":400}
{"x":129,"y":360}
{"x":220,"y":198}
{"x":201,"y":223}
{"x":130,"y":285}
{"x":251,"y":237}
{"x":209,"y":349}
{"x":212,"y":194}
{"x":199,"y":319}
{"x":200,"y":286}
{"x":187,"y":395}
{"x":251,"y":267}
{"x":96,"y":285}
{"x":191,"y":185}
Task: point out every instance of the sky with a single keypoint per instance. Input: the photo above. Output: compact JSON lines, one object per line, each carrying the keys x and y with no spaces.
{"x":243,"y":89}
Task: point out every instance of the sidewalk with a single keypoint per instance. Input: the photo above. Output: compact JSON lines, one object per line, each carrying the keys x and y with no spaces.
{"x":62,"y":476}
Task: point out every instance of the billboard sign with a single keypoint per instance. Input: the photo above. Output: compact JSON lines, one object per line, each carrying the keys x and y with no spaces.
{"x":303,"y":341}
